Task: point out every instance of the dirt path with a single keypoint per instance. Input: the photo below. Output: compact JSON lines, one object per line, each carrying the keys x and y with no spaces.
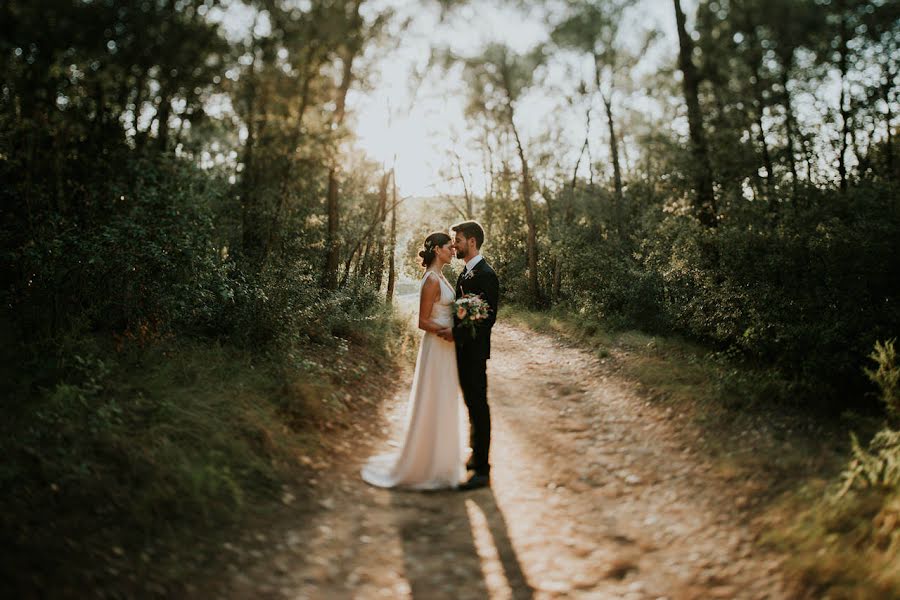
{"x":596,"y":494}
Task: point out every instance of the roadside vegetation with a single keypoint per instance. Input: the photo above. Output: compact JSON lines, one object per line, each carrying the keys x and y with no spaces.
{"x":823,"y":488}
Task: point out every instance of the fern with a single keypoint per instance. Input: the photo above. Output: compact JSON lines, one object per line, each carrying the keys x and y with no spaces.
{"x":887,"y":376}
{"x":875,"y":467}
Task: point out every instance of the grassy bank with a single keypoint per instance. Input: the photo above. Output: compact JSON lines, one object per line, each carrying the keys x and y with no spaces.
{"x":790,"y":465}
{"x":125,"y":472}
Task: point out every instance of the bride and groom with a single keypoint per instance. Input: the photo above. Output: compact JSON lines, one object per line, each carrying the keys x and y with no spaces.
{"x":451,"y":360}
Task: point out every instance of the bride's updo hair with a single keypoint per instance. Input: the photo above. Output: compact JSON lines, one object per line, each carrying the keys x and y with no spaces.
{"x":434,"y":240}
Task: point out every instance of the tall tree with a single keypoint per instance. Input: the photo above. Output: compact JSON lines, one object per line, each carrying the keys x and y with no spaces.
{"x":279,"y":95}
{"x":351,"y":50}
{"x":392,"y":244}
{"x":882,"y":34}
{"x":594,"y":28}
{"x":705,"y":200}
{"x":842,"y":62}
{"x":376,"y":268}
{"x":793,"y":23}
{"x":752,"y":52}
{"x":497,"y":79}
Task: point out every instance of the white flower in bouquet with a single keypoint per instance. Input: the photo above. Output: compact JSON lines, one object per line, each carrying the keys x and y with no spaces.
{"x":471,"y":309}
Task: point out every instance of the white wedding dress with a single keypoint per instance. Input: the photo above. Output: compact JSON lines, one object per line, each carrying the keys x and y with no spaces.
{"x":432,"y":453}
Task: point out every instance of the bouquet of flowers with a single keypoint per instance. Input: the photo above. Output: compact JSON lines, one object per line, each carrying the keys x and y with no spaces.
{"x":471,"y":309}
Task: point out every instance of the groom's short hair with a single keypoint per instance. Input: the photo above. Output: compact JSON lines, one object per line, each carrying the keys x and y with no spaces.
{"x":471,"y":229}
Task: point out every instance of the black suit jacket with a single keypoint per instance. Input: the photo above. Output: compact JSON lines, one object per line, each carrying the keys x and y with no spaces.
{"x":484,"y":282}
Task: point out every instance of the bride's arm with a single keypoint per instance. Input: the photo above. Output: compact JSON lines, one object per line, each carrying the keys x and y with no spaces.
{"x":431,"y":289}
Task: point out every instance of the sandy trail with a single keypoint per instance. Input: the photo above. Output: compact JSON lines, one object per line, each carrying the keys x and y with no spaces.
{"x":596,"y":494}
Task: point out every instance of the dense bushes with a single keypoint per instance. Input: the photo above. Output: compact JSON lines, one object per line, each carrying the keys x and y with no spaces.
{"x":150,"y":257}
{"x":286,"y":307}
{"x":808,"y":288}
{"x":144,"y":254}
{"x":811,"y":288}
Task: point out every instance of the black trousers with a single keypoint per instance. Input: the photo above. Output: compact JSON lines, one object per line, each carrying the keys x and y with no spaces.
{"x":472,"y":369}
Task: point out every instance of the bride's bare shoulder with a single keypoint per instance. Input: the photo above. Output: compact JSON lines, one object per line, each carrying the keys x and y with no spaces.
{"x":430,"y":282}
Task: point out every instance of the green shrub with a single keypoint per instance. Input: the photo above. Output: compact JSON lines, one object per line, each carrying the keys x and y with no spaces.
{"x":807,"y":290}
{"x":861,"y":511}
{"x":887,"y":376}
{"x":141,"y":258}
{"x":877,"y":467}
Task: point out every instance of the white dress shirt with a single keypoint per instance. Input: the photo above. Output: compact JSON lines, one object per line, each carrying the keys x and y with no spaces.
{"x":472,"y":262}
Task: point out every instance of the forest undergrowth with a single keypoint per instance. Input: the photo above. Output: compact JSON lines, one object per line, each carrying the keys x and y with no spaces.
{"x":149,"y":452}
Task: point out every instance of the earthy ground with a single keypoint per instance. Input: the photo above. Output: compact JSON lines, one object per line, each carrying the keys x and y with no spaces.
{"x":597,"y":493}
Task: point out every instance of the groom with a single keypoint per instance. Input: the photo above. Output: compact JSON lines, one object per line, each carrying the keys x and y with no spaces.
{"x":472,"y":353}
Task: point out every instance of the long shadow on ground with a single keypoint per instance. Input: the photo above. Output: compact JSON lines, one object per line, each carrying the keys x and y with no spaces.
{"x":456,"y":545}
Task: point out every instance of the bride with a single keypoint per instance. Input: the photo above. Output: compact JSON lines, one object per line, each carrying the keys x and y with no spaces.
{"x":432,"y":454}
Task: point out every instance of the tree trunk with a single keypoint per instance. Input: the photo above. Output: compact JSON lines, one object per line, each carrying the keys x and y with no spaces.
{"x":178,"y":135}
{"x":625,"y":156}
{"x":274,"y":229}
{"x":489,"y":170}
{"x":568,"y":214}
{"x":754,"y":59}
{"x":705,"y":201}
{"x":252,"y":239}
{"x":362,"y":266}
{"x":392,"y":246}
{"x":764,"y":146}
{"x":845,"y":112}
{"x":378,"y":261}
{"x":332,"y":244}
{"x":889,"y":148}
{"x":331,"y":235}
{"x":585,"y":148}
{"x":885,"y":88}
{"x":842,"y":155}
{"x":162,"y":124}
{"x":789,"y":121}
{"x":470,"y":211}
{"x":807,"y":158}
{"x":861,"y":157}
{"x":329,"y":277}
{"x":613,"y":147}
{"x":555,"y":279}
{"x":617,"y":172}
{"x":346,"y":276}
{"x":138,"y":100}
{"x":533,"y":285}
{"x":766,"y":159}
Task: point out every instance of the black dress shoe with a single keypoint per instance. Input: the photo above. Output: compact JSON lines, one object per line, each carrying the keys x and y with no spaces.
{"x":475,"y":481}
{"x":470,"y":465}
